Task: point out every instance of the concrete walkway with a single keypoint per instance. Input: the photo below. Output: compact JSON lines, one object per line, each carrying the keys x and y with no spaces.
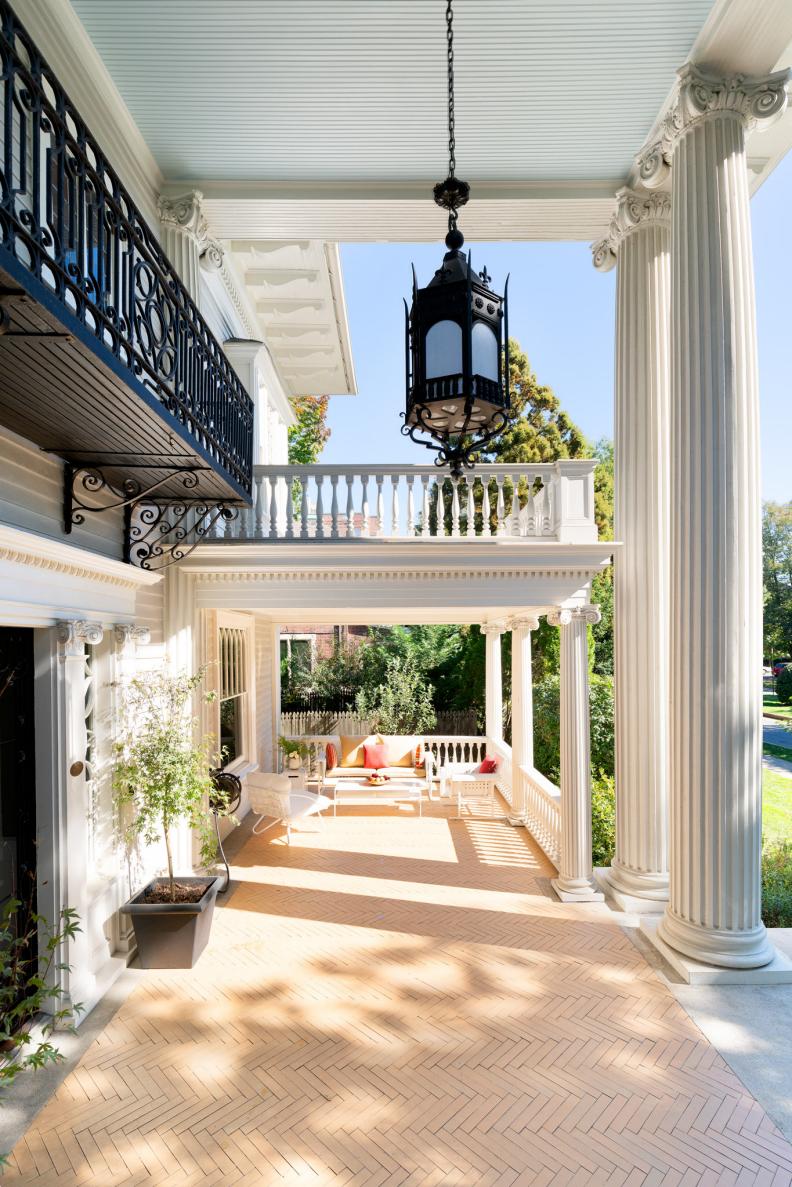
{"x":776,"y":735}
{"x":396,"y":1000}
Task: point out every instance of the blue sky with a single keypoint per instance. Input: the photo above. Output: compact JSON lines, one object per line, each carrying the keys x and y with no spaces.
{"x":561,"y":311}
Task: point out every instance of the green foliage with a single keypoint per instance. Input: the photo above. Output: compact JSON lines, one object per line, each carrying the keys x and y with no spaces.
{"x":160,"y":773}
{"x":292,"y":746}
{"x":29,"y":986}
{"x":784,"y":686}
{"x":402,"y":703}
{"x":777,"y":576}
{"x":547,"y":728}
{"x":603,"y":820}
{"x":308,"y":437}
{"x":777,"y":883}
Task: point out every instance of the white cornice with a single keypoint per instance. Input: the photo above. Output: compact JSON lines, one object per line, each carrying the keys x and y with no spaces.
{"x":64,"y":42}
{"x":341,"y":319}
{"x":40,"y":552}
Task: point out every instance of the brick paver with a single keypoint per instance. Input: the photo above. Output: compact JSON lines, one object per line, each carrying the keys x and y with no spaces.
{"x":402,"y":1001}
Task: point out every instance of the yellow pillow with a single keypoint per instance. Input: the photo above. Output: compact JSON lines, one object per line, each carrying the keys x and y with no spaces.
{"x":401,"y":750}
{"x":352,"y":748}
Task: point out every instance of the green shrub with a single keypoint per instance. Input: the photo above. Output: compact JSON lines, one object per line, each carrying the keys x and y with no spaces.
{"x":547,"y":730}
{"x":603,"y":820}
{"x":784,"y":685}
{"x":777,"y":883}
{"x":402,"y":704}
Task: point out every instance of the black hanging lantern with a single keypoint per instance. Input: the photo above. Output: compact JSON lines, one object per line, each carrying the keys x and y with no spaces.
{"x":457,"y":337}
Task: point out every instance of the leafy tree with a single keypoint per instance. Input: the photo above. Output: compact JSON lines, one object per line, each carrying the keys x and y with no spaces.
{"x":308,"y":437}
{"x":777,"y":574}
{"x":547,"y":728}
{"x":402,"y":704}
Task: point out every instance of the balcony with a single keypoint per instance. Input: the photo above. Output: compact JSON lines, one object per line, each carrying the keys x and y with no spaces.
{"x":548,"y":502}
{"x":104,"y":357}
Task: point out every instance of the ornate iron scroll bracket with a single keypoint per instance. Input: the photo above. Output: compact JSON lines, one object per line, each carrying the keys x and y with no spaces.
{"x":159,"y":529}
{"x":459,"y":451}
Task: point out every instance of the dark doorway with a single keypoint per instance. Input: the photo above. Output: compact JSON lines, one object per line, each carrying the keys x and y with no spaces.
{"x":17,"y":770}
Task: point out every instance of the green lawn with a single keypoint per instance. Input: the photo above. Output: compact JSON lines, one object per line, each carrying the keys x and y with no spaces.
{"x":776,"y":806}
{"x":773,"y":705}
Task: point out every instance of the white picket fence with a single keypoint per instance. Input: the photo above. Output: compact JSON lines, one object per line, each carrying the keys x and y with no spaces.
{"x":298,"y":724}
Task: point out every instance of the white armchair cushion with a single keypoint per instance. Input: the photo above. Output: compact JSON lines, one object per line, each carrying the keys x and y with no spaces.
{"x":275,"y":796}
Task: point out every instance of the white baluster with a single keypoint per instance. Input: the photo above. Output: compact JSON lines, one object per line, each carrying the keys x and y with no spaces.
{"x":289,"y":508}
{"x":500,"y":510}
{"x":380,"y":525}
{"x":350,"y":507}
{"x":409,"y":529}
{"x":455,"y":506}
{"x":364,"y":505}
{"x":486,"y":530}
{"x":471,"y":506}
{"x":260,"y":508}
{"x":273,"y":508}
{"x":441,"y":508}
{"x":319,"y":532}
{"x":514,"y":526}
{"x":425,"y":506}
{"x":304,"y":510}
{"x":334,"y":507}
{"x":395,"y":478}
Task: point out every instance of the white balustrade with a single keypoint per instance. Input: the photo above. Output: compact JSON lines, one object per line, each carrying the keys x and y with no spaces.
{"x":551,"y":502}
{"x":542,"y":801}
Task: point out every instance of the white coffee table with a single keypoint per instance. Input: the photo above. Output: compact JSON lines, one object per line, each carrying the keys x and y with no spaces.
{"x":395,"y":791}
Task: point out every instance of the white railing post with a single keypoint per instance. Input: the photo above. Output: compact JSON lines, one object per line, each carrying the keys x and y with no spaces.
{"x":425,"y":506}
{"x":364,"y":505}
{"x":380,"y":507}
{"x":410,"y":526}
{"x":319,"y":529}
{"x":395,"y":479}
{"x":334,"y":507}
{"x":350,"y":507}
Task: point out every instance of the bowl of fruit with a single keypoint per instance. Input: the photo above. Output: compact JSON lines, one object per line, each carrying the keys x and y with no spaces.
{"x":377,"y":780}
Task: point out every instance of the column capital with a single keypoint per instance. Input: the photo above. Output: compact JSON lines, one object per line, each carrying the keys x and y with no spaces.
{"x":492,"y":628}
{"x":634,"y":210}
{"x":212,"y":255}
{"x":529,"y":622}
{"x":126,"y":633}
{"x":756,"y":102}
{"x":566,"y":616}
{"x":73,"y":635}
{"x":185,"y":214}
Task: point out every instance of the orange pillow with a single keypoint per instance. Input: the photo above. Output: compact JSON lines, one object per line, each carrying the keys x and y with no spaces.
{"x":419,"y":755}
{"x":331,"y":757}
{"x":375,"y":755}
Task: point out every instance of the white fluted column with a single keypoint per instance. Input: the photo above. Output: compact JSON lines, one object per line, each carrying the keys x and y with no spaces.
{"x":522,"y":710}
{"x":493,"y":680}
{"x":184,"y":235}
{"x":714,"y":913}
{"x":640,"y":236}
{"x":575,"y":874}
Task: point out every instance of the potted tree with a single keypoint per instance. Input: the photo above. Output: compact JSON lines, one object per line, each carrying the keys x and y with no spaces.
{"x":162,"y":776}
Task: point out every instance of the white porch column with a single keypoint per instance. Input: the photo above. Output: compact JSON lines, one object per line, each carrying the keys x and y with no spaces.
{"x":522,"y":710}
{"x":714,"y":912}
{"x":575,"y":874}
{"x":184,"y":236}
{"x":640,"y":234}
{"x":493,"y":680}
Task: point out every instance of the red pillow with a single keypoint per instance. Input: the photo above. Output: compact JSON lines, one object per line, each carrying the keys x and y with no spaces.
{"x":331,"y":757}
{"x":488,"y":766}
{"x":419,"y":756}
{"x":374,"y":756}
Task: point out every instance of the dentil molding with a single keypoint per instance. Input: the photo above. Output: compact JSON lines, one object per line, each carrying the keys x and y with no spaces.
{"x":634,"y":210}
{"x":74,"y":635}
{"x":757,"y":102}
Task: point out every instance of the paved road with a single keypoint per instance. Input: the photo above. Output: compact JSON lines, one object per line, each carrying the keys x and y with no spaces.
{"x":777,"y":735}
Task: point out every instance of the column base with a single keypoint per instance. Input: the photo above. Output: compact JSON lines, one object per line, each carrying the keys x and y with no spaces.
{"x":577,"y":891}
{"x":633,"y":892}
{"x":749,"y":949}
{"x":778,"y":970}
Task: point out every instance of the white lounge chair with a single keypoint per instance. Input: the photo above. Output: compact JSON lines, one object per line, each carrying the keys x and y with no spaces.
{"x":465,"y":779}
{"x":274,"y":797}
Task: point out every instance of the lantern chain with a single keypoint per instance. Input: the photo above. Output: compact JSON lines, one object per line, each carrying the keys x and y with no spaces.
{"x":450,"y":39}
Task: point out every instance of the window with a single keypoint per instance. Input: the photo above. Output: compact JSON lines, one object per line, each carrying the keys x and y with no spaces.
{"x":233,"y":692}
{"x":298,"y":652}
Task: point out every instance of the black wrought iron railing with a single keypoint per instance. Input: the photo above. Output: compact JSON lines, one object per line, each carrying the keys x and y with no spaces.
{"x":69,"y":224}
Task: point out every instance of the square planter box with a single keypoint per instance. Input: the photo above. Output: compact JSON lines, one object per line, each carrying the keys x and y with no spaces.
{"x":172,"y":935}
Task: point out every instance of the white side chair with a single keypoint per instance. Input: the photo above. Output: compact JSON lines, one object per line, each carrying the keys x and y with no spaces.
{"x":463,"y":779}
{"x":274,"y":798}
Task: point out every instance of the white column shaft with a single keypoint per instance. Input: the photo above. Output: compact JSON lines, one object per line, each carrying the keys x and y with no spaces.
{"x":714,"y":912}
{"x":575,"y":873}
{"x":522,"y":713}
{"x":493,"y":695}
{"x":641,"y":524}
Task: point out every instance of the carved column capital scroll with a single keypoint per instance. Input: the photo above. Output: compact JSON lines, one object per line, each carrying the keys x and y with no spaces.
{"x":493,"y":628}
{"x":126,"y":633}
{"x":634,"y":210}
{"x":564,"y":617}
{"x":185,"y":214}
{"x":529,"y":621}
{"x":74,"y":635}
{"x":756,"y":102}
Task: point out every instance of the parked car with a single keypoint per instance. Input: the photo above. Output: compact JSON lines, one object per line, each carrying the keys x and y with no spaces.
{"x":778,"y":664}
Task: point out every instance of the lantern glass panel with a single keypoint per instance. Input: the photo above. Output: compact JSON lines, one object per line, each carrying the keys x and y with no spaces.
{"x":444,"y":349}
{"x":485,"y":351}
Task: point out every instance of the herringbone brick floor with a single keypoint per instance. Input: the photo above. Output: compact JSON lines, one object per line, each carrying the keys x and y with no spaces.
{"x":402,"y":1001}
